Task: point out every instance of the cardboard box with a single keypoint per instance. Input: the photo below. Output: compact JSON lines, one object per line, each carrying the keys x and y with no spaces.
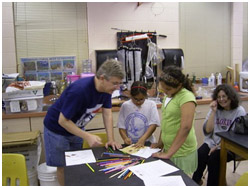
{"x":22,"y":93}
{"x":26,"y":143}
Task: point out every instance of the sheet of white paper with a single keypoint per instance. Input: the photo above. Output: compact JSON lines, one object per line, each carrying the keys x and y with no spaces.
{"x":79,"y":157}
{"x":146,"y":152}
{"x":32,"y":104}
{"x":164,"y":181}
{"x":13,"y":75}
{"x":15,"y":106}
{"x":154,"y":168}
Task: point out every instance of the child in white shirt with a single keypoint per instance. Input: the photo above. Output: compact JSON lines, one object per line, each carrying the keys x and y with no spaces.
{"x":138,"y":117}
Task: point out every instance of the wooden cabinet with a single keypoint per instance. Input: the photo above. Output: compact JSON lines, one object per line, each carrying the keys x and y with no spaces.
{"x":33,"y":123}
{"x":200,"y":116}
{"x":97,"y":123}
{"x":199,"y":131}
{"x":16,"y":125}
{"x":36,"y":123}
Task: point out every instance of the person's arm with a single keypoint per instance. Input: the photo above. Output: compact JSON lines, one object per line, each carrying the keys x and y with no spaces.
{"x":108,"y":123}
{"x":210,"y":122}
{"x":71,"y":127}
{"x":125,"y":137}
{"x":159,"y":144}
{"x":147,"y":134}
{"x":187,"y":116}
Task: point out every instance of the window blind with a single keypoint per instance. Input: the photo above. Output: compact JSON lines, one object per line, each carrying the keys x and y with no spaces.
{"x":45,"y":29}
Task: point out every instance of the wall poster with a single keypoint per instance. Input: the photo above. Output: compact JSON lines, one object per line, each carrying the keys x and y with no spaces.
{"x":48,"y":68}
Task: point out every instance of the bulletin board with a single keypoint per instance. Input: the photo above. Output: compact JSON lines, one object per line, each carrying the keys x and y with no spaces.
{"x":48,"y":68}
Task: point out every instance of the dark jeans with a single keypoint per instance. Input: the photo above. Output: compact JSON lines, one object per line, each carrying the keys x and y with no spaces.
{"x":213,"y":165}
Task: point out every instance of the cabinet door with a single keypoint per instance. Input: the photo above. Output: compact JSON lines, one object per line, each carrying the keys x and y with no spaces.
{"x":97,"y":121}
{"x":16,"y":125}
{"x":201,"y":111}
{"x":37,"y":123}
{"x":198,"y":126}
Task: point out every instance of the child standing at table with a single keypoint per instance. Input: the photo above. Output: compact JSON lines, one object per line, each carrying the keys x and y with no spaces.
{"x":138,"y":117}
{"x":177,"y":138}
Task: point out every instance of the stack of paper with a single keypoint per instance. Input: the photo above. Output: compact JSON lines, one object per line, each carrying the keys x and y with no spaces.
{"x":152,"y":174}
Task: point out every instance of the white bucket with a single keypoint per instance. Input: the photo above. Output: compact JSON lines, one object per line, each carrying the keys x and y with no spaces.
{"x":47,"y":175}
{"x":32,"y":175}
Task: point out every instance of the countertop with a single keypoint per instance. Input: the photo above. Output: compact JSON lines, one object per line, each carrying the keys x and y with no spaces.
{"x":116,"y":103}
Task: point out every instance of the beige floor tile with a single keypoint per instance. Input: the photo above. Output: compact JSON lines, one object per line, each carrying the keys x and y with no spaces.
{"x":232,"y":177}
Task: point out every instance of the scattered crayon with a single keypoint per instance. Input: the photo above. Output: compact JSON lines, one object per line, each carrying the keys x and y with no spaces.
{"x":90,"y":167}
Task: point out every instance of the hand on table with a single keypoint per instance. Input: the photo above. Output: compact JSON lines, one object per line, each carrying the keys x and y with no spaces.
{"x":140,"y":143}
{"x":161,"y":155}
{"x":113,"y":144}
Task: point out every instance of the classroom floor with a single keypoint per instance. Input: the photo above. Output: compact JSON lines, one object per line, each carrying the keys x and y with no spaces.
{"x":232,"y":178}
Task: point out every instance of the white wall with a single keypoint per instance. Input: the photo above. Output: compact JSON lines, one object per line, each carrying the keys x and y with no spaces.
{"x":237,"y":34}
{"x":245,"y":31}
{"x":8,"y":40}
{"x":205,"y":33}
{"x":160,"y":17}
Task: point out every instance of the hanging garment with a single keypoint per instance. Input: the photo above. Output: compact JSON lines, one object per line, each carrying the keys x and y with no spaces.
{"x":135,"y":63}
{"x":122,"y":54}
{"x":155,"y":54}
{"x":155,"y":57}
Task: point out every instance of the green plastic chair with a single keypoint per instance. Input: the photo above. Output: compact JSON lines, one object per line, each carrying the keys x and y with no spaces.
{"x":102,"y":135}
{"x":14,"y":170}
{"x":243,"y":180}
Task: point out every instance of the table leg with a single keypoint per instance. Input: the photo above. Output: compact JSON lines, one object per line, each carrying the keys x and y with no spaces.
{"x":223,"y":163}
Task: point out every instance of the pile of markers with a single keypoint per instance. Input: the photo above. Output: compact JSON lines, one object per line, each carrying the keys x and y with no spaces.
{"x":119,"y":163}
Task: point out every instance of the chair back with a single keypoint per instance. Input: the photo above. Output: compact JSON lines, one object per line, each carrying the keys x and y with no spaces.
{"x":103,"y":137}
{"x":14,"y":170}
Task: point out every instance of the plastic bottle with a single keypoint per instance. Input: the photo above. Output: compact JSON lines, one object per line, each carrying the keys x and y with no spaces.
{"x":87,"y":66}
{"x":194,"y":78}
{"x":219,"y":79}
{"x":63,"y":86}
{"x":211,"y":80}
{"x":236,"y":87}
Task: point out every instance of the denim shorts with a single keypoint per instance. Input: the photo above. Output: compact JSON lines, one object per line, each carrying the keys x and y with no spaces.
{"x":56,"y":145}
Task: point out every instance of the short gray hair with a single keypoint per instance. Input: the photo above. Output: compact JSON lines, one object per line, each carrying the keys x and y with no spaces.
{"x":110,"y":68}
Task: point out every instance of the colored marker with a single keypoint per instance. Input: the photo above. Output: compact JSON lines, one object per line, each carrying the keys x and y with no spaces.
{"x":90,"y":167}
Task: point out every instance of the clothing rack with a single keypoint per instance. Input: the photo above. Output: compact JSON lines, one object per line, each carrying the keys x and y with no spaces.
{"x":148,"y":33}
